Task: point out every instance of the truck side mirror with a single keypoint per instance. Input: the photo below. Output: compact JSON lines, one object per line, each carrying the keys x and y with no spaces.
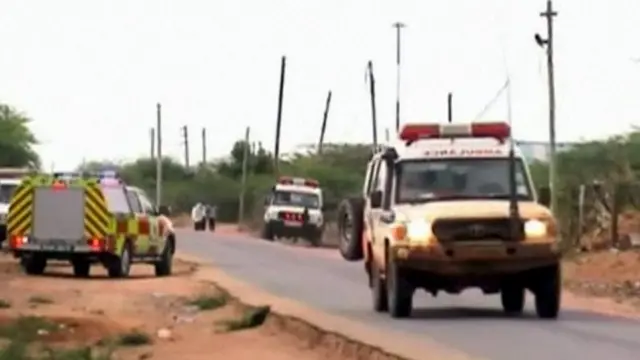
{"x":544,"y":196}
{"x":376,"y":199}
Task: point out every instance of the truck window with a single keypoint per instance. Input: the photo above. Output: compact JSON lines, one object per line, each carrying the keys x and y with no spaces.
{"x":134,"y":202}
{"x":147,"y":206}
{"x":6,"y":190}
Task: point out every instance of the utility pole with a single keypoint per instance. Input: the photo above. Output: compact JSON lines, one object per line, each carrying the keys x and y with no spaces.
{"x":398,"y":26}
{"x":276,"y":152}
{"x":152,"y":135}
{"x":245,"y":160}
{"x":547,"y":43}
{"x":185,"y":138}
{"x":324,"y":123}
{"x":204,"y":146}
{"x":372,"y":92}
{"x":386,"y":135}
{"x":450,"y":107}
{"x":159,"y":154}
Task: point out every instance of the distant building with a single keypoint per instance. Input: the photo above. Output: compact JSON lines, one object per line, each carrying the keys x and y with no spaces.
{"x":539,"y":150}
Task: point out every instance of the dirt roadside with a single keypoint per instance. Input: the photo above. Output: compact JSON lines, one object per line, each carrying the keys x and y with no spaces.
{"x":145,"y":317}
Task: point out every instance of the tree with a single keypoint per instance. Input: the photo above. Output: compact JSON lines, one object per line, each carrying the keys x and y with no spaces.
{"x":16,"y":139}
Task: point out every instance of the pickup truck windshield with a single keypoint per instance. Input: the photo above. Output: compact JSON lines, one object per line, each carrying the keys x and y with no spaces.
{"x":458,"y":178}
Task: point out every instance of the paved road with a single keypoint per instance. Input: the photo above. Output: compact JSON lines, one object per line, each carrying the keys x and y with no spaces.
{"x":472,"y":323}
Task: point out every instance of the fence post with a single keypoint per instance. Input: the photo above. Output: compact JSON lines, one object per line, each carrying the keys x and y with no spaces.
{"x":615,"y":210}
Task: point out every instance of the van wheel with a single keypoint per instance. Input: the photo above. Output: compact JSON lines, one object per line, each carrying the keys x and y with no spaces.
{"x":121,"y":265}
{"x":267,"y":232}
{"x":34,"y":264}
{"x":81,"y":268}
{"x":164,"y":266}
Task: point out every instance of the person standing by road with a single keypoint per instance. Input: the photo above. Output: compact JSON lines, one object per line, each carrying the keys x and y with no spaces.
{"x":199,"y":217}
{"x":211,"y":216}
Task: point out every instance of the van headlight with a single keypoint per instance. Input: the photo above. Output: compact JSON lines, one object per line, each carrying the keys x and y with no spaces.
{"x":419,"y":230}
{"x":535,"y":228}
{"x":316,"y":218}
{"x":270,"y":215}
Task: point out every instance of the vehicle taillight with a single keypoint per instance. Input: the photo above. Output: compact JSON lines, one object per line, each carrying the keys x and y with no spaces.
{"x":96,"y":244}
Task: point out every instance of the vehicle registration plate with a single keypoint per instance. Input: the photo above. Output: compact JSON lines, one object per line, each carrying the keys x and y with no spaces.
{"x":292,"y":223}
{"x":55,"y":246}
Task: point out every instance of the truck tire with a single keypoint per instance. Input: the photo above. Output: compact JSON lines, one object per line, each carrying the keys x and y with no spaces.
{"x":34,"y":264}
{"x":350,"y":228}
{"x":399,"y":291}
{"x":378,"y":289}
{"x":120,"y":266}
{"x":548,"y":292}
{"x":513,"y":298}
{"x":164,"y":266}
{"x":81,"y":268}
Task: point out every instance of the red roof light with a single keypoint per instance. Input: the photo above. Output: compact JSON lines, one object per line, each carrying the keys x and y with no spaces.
{"x":414,"y":132}
{"x":288,"y":180}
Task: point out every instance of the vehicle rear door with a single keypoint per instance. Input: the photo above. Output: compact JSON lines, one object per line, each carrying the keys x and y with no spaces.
{"x":58,"y":216}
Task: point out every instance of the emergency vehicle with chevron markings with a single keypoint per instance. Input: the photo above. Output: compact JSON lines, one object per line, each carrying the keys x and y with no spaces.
{"x":87,"y":219}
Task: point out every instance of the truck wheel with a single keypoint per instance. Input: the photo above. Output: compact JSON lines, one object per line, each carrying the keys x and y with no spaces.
{"x":81,"y":268}
{"x":34,"y":264}
{"x":399,"y":291}
{"x":267,"y":232}
{"x":350,"y":227}
{"x":548,"y":292}
{"x":512,"y":297}
{"x":164,"y":266}
{"x":121,"y":265}
{"x":378,"y":289}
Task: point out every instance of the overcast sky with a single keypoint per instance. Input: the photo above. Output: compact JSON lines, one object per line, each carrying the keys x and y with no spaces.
{"x":89,"y":72}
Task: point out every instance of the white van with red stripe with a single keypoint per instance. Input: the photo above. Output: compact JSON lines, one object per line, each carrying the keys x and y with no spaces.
{"x":293,"y":209}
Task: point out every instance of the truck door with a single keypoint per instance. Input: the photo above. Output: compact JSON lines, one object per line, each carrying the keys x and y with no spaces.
{"x":156,"y":240}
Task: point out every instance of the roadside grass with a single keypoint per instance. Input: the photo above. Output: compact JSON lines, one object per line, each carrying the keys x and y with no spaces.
{"x":251,"y":317}
{"x":23,"y":335}
{"x":209,"y":302}
{"x":40,"y":300}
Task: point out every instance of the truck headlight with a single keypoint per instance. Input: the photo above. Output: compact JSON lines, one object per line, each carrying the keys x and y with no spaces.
{"x":535,"y":228}
{"x":419,"y":230}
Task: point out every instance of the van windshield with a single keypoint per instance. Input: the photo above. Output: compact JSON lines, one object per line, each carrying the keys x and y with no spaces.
{"x":458,"y":178}
{"x":296,"y":198}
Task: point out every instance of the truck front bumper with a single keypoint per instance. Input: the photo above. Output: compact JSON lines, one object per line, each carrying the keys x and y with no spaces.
{"x":465,"y":258}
